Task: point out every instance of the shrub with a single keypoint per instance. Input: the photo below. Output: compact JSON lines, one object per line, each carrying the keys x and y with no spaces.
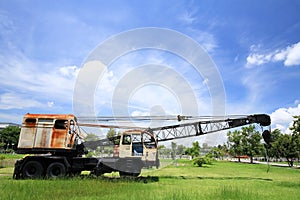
{"x":2,"y":157}
{"x":202,"y":160}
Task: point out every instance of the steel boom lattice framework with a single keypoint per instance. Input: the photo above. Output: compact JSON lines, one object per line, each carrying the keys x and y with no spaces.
{"x":206,"y":126}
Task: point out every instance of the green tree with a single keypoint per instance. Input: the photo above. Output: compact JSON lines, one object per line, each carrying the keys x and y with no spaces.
{"x":9,"y":137}
{"x":111,"y":133}
{"x":180,"y":150}
{"x":194,"y":151}
{"x":161,"y":147}
{"x":286,"y":147}
{"x":164,"y":151}
{"x":273,"y":151}
{"x":245,"y":142}
{"x":251,"y":144}
{"x":217,"y":152}
{"x":296,"y":134}
{"x":296,"y":125}
{"x":235,"y":144}
{"x":275,"y":134}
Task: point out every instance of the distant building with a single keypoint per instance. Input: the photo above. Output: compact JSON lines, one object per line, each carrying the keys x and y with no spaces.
{"x":3,"y":125}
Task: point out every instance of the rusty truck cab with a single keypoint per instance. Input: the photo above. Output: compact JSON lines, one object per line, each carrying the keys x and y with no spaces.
{"x":50,"y":133}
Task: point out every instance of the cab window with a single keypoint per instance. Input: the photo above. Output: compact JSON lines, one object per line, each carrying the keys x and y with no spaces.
{"x":30,"y":121}
{"x":149,"y":141}
{"x":60,"y":124}
{"x":126,"y":139}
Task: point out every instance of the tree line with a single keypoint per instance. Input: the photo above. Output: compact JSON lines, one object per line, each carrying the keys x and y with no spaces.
{"x":9,"y":138}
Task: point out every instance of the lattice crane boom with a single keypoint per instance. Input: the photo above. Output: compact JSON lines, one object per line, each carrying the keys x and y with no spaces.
{"x":206,"y":126}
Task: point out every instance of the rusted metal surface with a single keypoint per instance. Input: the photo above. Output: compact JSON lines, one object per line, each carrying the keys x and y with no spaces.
{"x":58,"y":138}
{"x":47,"y":131}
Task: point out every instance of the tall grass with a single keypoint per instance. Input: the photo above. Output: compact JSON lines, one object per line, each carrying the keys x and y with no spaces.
{"x":8,"y":160}
{"x":181,"y":180}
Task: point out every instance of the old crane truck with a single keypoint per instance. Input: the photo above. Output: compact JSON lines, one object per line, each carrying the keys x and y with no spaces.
{"x":54,"y":144}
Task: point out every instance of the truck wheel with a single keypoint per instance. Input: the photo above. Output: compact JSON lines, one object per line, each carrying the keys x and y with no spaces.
{"x":56,"y":170}
{"x":128,"y":174}
{"x":134,"y":172}
{"x":33,"y":169}
{"x":130,"y":168}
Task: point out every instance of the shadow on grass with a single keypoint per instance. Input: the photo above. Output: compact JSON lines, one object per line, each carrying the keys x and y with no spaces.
{"x":152,"y":179}
{"x":289,"y":184}
{"x":236,"y":178}
{"x":141,"y":179}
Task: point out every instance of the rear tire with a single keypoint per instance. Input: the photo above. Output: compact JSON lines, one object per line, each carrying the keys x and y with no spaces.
{"x":33,"y":170}
{"x":56,"y":170}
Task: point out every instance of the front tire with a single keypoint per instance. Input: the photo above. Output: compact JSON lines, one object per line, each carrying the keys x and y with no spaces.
{"x":128,"y":174}
{"x":33,"y":170}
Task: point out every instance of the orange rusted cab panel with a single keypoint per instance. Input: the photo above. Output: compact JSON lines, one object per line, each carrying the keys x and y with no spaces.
{"x":48,"y":131}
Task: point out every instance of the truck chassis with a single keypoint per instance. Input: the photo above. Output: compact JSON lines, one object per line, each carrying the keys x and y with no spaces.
{"x":48,"y":166}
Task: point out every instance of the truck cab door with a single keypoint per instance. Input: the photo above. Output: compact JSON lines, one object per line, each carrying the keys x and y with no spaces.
{"x":72,"y":132}
{"x":125,"y":148}
{"x":150,"y":147}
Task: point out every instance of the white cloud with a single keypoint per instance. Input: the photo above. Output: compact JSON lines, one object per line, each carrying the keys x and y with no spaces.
{"x":290,"y":56}
{"x":69,"y":71}
{"x":205,"y":81}
{"x":14,"y":101}
{"x":108,"y":81}
{"x":50,"y":104}
{"x":258,"y":59}
{"x":282,"y":118}
{"x":293,"y":56}
{"x":206,"y":39}
{"x":11,"y":117}
{"x":280,"y":55}
{"x":153,"y":97}
{"x":30,"y":80}
{"x":188,"y":17}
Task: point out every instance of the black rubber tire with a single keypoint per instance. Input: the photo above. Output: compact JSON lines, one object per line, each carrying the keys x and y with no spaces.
{"x":56,"y":170}
{"x":33,"y":170}
{"x":128,"y":174}
{"x":135,"y":172}
{"x":129,"y":168}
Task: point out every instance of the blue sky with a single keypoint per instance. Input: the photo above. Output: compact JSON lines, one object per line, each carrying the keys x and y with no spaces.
{"x":255,"y":45}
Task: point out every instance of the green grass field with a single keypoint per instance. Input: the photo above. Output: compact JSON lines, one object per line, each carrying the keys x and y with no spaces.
{"x":181,"y":180}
